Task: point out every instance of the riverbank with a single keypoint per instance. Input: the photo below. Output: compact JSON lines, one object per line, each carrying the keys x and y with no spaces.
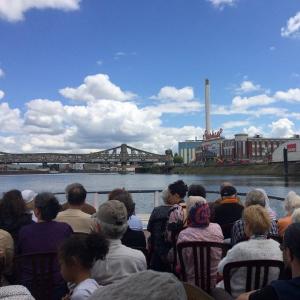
{"x":257,"y":169}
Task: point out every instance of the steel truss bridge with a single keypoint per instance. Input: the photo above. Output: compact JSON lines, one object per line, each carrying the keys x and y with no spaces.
{"x":123,"y":154}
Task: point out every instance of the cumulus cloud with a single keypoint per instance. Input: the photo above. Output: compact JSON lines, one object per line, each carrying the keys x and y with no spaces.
{"x":247,"y":86}
{"x":292,"y":27}
{"x":283,"y":128}
{"x":174,"y":94}
{"x":252,"y":130}
{"x":291,"y":95}
{"x":222,"y":3}
{"x":97,"y":87}
{"x":2,"y":94}
{"x":258,"y":100}
{"x":14,"y":10}
{"x":10,"y":119}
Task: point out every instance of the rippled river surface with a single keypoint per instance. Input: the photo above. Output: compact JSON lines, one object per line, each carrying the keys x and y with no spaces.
{"x":276,"y":186}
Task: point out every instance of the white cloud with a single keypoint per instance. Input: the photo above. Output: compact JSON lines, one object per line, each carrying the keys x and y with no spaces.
{"x":258,"y":100}
{"x":247,"y":86}
{"x":96,"y":87}
{"x":10,"y":119}
{"x":291,"y":95}
{"x":252,"y":130}
{"x":234,"y":124}
{"x":99,"y":62}
{"x":2,"y":94}
{"x":222,"y":3}
{"x":14,"y":10}
{"x":2,"y":73}
{"x":272,"y":48}
{"x":174,"y":94}
{"x":292,"y":28}
{"x":283,"y":128}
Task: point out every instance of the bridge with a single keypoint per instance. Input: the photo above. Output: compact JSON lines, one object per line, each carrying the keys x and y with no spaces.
{"x":122,"y":154}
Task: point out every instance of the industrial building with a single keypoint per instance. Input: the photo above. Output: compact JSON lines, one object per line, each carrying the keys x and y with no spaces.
{"x":242,"y":147}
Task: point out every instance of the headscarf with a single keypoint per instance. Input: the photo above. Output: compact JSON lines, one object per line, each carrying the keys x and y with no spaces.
{"x":199,"y":215}
{"x":271,"y":212}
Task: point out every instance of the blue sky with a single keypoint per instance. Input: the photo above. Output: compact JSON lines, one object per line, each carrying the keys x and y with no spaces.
{"x":85,"y":75}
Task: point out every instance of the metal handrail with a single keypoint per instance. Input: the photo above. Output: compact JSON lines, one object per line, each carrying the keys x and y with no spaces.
{"x":160,"y":190}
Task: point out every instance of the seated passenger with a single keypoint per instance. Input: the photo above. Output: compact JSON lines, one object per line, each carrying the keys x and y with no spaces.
{"x":272,"y":213}
{"x":283,"y":289}
{"x":157,"y":226}
{"x":28,"y":197}
{"x":76,"y":257}
{"x":200,"y":229}
{"x":147,"y":285}
{"x":228,"y":210}
{"x":74,"y":216}
{"x":254,"y":197}
{"x":296,"y":216}
{"x":42,"y":237}
{"x":13,"y":213}
{"x":291,"y":202}
{"x":121,"y":261}
{"x":132,"y":238}
{"x":7,"y":254}
{"x":177,"y":214}
{"x":257,"y":226}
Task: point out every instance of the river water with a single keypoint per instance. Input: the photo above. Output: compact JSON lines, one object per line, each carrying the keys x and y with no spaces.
{"x":276,"y":186}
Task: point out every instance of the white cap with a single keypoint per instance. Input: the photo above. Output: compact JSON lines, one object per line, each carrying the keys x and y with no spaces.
{"x":28,"y":195}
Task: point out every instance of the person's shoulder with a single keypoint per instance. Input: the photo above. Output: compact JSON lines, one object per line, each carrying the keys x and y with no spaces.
{"x":29,"y":227}
{"x":62,"y":226}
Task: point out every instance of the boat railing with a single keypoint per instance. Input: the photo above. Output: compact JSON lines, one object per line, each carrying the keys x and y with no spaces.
{"x":156,"y":194}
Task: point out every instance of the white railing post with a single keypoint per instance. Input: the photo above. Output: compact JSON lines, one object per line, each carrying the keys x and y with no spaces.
{"x":156,"y":198}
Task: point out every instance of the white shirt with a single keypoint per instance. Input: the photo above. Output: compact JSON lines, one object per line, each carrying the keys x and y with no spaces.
{"x":252,"y":249}
{"x":120,"y":262}
{"x":84,"y":289}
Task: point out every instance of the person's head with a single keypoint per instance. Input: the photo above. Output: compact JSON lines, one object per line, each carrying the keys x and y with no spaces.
{"x":112,"y":219}
{"x":28,"y":197}
{"x":76,"y":194}
{"x":165,"y":196}
{"x":255,"y":197}
{"x":291,"y":245}
{"x":46,"y":207}
{"x":266,"y":197}
{"x":228,"y":191}
{"x":225,"y":183}
{"x":296,"y":216}
{"x":197,"y":190}
{"x":192,"y":200}
{"x":257,"y":220}
{"x":177,"y":191}
{"x":78,"y":253}
{"x":291,"y":202}
{"x":198,"y":215}
{"x":12,"y":205}
{"x":125,"y":197}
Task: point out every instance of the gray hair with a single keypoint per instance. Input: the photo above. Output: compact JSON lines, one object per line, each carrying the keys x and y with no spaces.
{"x":192,"y":200}
{"x":255,"y":197}
{"x":291,"y":202}
{"x":296,"y":216}
{"x":111,"y":231}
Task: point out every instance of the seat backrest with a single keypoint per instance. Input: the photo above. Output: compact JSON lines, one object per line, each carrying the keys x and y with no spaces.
{"x":40,"y":267}
{"x":260,"y":269}
{"x":195,"y":293}
{"x":201,"y":253}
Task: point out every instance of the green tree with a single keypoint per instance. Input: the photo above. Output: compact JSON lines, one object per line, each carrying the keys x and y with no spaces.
{"x":177,"y":159}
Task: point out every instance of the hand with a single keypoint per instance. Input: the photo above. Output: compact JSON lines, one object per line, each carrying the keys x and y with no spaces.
{"x":67,"y":297}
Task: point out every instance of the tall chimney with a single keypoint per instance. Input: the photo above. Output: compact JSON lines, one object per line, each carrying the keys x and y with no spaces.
{"x":207,"y":105}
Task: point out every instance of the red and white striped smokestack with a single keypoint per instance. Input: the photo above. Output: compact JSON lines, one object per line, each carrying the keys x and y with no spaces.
{"x":207,"y":105}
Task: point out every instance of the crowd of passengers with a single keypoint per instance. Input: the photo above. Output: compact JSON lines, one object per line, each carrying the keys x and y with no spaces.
{"x":107,"y":254}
